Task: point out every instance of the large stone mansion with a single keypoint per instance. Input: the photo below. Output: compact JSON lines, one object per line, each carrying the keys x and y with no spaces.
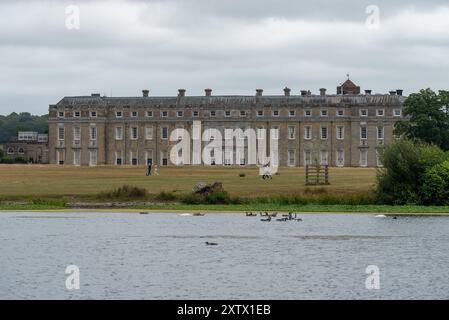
{"x":343,"y":129}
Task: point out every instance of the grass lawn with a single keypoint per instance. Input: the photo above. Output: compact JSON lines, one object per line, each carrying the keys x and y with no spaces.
{"x":31,"y":181}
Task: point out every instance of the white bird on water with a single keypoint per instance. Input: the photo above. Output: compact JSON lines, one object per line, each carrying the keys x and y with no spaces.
{"x":381,"y":216}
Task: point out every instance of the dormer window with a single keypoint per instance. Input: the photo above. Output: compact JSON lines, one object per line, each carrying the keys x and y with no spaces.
{"x":119,"y":114}
{"x":260,"y":113}
{"x":363,"y":112}
{"x":243,"y":113}
{"x":196,"y":114}
{"x":93,"y":114}
{"x":61,"y":114}
{"x":275,"y":113}
{"x":340,"y":113}
{"x":164,"y":114}
{"x":149,"y":114}
{"x":324,"y":113}
{"x":380,"y":112}
{"x":212,"y":113}
{"x":76,"y":114}
{"x":134,"y":114}
{"x":292,"y":113}
{"x":227,"y":113}
{"x":180,"y":114}
{"x":308,"y":113}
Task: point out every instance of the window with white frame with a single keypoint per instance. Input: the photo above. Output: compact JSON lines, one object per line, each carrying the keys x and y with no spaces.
{"x":261,"y":133}
{"x":340,"y":113}
{"x":363,"y":112}
{"x":291,"y":158}
{"x":93,"y":157}
{"x":380,"y":112}
{"x":61,"y":114}
{"x":291,"y":132}
{"x":164,"y":133}
{"x":164,"y":114}
{"x":380,"y":133}
{"x":180,"y":114}
{"x":76,"y":133}
{"x":213,"y":113}
{"x":397,"y":112}
{"x":119,"y":114}
{"x":227,"y":113}
{"x":134,"y":133}
{"x":149,"y":113}
{"x":363,"y":157}
{"x":61,"y":133}
{"x":260,"y":113}
{"x":340,"y":132}
{"x":134,"y":158}
{"x":307,"y":113}
{"x":275,"y":133}
{"x":242,"y":113}
{"x":93,"y":114}
{"x":323,"y":133}
{"x":134,"y":114}
{"x":77,"y":157}
{"x":77,"y":114}
{"x":93,"y":133}
{"x":10,"y":151}
{"x":324,"y":113}
{"x":119,"y":158}
{"x":363,"y":133}
{"x":308,"y":133}
{"x":149,"y":133}
{"x":275,"y":113}
{"x":149,"y":156}
{"x":324,"y":158}
{"x":291,"y":113}
{"x":379,"y":158}
{"x":340,"y":161}
{"x":196,"y":113}
{"x":307,"y":157}
{"x":119,"y":133}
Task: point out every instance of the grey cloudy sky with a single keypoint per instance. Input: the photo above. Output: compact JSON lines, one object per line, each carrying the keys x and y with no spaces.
{"x":232,"y":46}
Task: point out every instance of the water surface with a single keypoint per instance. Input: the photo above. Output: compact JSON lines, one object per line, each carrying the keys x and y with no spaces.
{"x":164,"y":256}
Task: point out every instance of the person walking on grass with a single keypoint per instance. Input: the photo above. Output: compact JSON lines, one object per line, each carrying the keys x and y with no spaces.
{"x":149,"y":169}
{"x":155,"y":170}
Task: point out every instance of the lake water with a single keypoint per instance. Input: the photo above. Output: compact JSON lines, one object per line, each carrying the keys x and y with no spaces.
{"x":164,"y":256}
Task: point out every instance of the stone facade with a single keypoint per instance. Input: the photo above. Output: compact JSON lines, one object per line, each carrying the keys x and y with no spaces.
{"x":30,"y":151}
{"x":340,"y":130}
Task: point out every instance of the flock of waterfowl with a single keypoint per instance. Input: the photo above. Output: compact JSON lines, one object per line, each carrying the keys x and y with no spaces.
{"x":268,"y":216}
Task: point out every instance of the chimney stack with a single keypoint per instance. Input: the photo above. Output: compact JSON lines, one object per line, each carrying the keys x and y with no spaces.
{"x":368,"y":92}
{"x":208,"y":92}
{"x":303,"y":93}
{"x":399,"y":92}
{"x":322,"y":92}
{"x":392,"y":93}
{"x":181,"y":92}
{"x":287,"y":92}
{"x":145,"y":93}
{"x":259,"y":92}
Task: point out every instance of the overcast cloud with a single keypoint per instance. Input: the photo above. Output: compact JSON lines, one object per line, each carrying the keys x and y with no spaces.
{"x":232,"y":46}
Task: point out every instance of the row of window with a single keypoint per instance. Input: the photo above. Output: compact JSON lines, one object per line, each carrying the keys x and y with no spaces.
{"x":243,"y":113}
{"x":134,"y":133}
{"x":291,"y":158}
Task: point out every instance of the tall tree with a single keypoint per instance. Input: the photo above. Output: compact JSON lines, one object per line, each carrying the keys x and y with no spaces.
{"x":428,"y":120}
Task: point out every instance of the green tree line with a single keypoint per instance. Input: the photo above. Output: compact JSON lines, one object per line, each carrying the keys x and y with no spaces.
{"x":24,"y":121}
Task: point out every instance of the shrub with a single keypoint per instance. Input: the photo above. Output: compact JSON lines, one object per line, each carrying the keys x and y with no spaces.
{"x":436,"y":185}
{"x":404,"y":166}
{"x":125,"y":192}
{"x":58,"y":203}
{"x":165,"y":196}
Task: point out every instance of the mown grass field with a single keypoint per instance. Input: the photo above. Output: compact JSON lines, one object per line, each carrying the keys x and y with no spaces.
{"x":31,"y":181}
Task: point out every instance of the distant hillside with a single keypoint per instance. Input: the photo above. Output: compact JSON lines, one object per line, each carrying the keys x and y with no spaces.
{"x":11,"y":124}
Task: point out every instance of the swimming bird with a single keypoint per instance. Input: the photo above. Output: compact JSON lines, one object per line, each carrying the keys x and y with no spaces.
{"x":266,"y":220}
{"x":211,"y":243}
{"x":143,"y":212}
{"x":381,"y":216}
